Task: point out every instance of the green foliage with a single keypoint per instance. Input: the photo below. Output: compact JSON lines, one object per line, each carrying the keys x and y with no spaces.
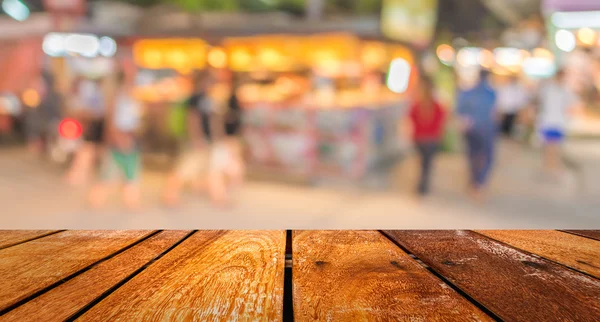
{"x":292,"y":6}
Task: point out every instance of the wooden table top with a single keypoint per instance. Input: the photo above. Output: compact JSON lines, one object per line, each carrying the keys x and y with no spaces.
{"x":300,"y":275}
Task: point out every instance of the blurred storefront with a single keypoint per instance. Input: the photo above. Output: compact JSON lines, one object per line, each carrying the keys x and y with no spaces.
{"x":574,"y":31}
{"x":20,"y":63}
{"x":314,"y":105}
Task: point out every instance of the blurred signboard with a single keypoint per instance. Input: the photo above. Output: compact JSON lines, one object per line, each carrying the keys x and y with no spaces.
{"x":409,"y":21}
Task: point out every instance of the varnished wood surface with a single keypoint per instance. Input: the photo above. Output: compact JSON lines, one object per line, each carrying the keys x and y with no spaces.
{"x":514,"y":285}
{"x":12,"y":237}
{"x":579,"y":253}
{"x":211,"y":276}
{"x":34,"y":265}
{"x":594,"y":234}
{"x":65,"y":300}
{"x":362,"y":276}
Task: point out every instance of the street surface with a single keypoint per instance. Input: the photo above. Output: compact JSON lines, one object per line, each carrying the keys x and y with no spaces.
{"x":32,"y":196}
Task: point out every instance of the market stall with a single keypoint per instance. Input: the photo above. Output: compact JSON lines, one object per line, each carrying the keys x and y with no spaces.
{"x":574,"y":31}
{"x":318,"y":106}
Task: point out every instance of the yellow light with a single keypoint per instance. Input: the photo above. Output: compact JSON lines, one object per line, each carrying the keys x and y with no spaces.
{"x":542,"y":53}
{"x":240,"y":58}
{"x":152,"y":59}
{"x":586,"y":36}
{"x":217,"y":58}
{"x":177,"y":58}
{"x":445,"y":53}
{"x":31,"y":98}
{"x":271,"y":58}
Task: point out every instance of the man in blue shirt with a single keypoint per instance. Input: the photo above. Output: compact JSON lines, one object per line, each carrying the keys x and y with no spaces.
{"x":476,"y":109}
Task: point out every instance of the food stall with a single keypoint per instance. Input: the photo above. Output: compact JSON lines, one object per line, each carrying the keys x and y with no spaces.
{"x":314,"y":105}
{"x":574,"y":33}
{"x":163,"y":68}
{"x":317,"y":106}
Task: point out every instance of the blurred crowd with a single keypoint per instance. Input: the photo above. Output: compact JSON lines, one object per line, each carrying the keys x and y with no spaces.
{"x":99,"y":122}
{"x":487,"y":112}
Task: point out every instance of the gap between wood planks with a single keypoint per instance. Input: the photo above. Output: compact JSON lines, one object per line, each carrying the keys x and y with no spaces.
{"x":87,"y":307}
{"x":542,"y":257}
{"x":576,"y":233}
{"x":444,"y":279}
{"x":288,"y":284}
{"x":79,"y":272}
{"x":32,"y":238}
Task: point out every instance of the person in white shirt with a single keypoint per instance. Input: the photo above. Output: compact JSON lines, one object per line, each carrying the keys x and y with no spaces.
{"x":511,"y":99}
{"x":556,"y":102}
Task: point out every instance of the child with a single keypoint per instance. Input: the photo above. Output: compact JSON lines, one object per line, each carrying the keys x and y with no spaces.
{"x":122,"y":159}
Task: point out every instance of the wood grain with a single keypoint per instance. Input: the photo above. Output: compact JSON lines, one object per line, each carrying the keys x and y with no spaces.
{"x":32,"y":266}
{"x":62,"y":302}
{"x":12,"y":237}
{"x":516,"y":286}
{"x":362,"y":276}
{"x":579,"y":253}
{"x":593,"y":234}
{"x":211,"y":276}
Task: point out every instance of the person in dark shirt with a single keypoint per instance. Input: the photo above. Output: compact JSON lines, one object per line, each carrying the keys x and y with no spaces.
{"x":41,"y":119}
{"x":200,"y":124}
{"x":226,"y":165}
{"x":427,"y":118}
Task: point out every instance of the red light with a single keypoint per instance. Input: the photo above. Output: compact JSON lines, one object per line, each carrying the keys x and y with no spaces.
{"x":70,"y":129}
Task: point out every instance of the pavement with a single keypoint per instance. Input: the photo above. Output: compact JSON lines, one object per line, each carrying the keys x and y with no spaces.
{"x":32,"y":196}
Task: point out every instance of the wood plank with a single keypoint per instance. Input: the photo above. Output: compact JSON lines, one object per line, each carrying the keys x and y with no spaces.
{"x":12,"y":237}
{"x":579,"y":253}
{"x":64,"y":301}
{"x":211,"y":276}
{"x":35,"y":265}
{"x":593,"y":234}
{"x":362,"y":276}
{"x":512,"y":284}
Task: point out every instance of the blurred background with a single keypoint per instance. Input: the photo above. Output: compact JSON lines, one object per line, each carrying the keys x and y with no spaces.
{"x":324,"y":86}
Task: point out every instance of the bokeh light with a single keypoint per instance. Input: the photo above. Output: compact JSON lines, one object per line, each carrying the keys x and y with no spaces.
{"x":565,"y":40}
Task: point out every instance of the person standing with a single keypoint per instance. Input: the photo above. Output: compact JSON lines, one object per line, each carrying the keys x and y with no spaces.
{"x":194,"y":162}
{"x":476,"y":110}
{"x":226,"y":166}
{"x":556,"y":101}
{"x":427,"y":118}
{"x":122,"y":159}
{"x":41,"y":119}
{"x":512,"y":98}
{"x":88,"y":105}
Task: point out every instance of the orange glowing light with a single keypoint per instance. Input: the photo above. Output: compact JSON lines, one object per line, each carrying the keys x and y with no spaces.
{"x":486,"y":58}
{"x":445,"y":53}
{"x":31,"y":98}
{"x":373,"y":55}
